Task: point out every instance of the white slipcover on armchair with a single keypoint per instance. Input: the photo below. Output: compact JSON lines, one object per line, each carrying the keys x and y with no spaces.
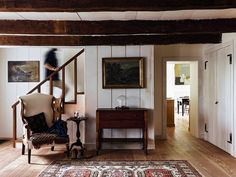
{"x":39,"y":113}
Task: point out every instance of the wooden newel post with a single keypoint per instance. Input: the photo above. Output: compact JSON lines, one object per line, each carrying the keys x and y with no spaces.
{"x":63,"y":89}
{"x":14,"y":126}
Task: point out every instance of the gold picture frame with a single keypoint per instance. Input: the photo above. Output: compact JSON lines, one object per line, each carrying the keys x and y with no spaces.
{"x":23,"y":71}
{"x":126,"y":72}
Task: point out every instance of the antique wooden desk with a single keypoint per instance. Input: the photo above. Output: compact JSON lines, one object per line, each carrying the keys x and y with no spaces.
{"x":121,"y":119}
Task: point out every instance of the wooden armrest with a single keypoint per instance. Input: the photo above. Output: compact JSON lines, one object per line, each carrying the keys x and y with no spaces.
{"x":29,"y":131}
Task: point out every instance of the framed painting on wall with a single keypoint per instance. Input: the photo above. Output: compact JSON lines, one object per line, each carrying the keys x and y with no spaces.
{"x":23,"y":71}
{"x":182,"y":74}
{"x":123,"y":72}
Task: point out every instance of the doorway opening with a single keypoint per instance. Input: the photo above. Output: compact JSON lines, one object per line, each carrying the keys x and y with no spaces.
{"x":178,"y":93}
{"x":181,"y":96}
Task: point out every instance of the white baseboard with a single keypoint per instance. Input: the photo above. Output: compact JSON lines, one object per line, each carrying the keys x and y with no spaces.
{"x":133,"y":145}
{"x":159,"y":137}
{"x":151,"y":144}
{"x":90,"y":146}
{"x":202,"y":135}
{"x":18,"y":145}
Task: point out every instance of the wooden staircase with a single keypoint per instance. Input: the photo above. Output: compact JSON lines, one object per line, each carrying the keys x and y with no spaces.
{"x":38,"y":89}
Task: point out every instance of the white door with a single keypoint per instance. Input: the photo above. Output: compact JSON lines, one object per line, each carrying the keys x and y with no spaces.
{"x":212,"y":99}
{"x":224,"y":99}
{"x":230,"y":103}
{"x":210,"y":94}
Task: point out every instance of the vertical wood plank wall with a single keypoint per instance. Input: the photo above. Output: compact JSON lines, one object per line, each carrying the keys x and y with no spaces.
{"x":97,"y":97}
{"x":9,"y":91}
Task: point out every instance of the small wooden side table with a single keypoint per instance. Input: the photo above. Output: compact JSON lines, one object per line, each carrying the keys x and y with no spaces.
{"x":78,"y":142}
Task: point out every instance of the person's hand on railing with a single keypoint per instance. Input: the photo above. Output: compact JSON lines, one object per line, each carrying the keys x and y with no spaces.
{"x":56,"y":69}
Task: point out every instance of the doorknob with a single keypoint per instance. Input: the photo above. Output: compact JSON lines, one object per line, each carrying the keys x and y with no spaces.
{"x":216,"y":102}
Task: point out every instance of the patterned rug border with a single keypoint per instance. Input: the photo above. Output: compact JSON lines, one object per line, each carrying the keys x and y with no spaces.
{"x":109,"y":160}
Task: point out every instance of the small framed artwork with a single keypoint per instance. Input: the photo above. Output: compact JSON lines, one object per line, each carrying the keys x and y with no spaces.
{"x":23,"y":71}
{"x":182,"y":74}
{"x":123,"y":72}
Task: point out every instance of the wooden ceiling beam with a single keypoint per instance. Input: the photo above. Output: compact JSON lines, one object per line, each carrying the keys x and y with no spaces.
{"x":116,"y":27}
{"x":111,"y":5}
{"x":109,"y":40}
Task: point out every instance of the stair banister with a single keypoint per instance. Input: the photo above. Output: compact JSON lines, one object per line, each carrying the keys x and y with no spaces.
{"x":38,"y":88}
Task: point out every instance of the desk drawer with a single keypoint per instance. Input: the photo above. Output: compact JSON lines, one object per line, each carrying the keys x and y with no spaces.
{"x":129,"y":115}
{"x":121,"y":124}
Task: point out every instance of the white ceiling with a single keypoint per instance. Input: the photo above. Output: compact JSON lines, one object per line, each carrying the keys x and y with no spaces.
{"x":129,"y":15}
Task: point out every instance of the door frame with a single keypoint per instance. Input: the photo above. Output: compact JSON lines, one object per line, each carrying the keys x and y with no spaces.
{"x":234,"y":98}
{"x":164,"y":118}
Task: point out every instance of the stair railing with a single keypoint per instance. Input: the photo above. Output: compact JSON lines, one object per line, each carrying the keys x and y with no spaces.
{"x":38,"y":88}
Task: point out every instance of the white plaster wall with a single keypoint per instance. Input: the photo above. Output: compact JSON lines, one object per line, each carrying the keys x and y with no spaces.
{"x":10,"y":91}
{"x":227,"y":37}
{"x":161,"y":52}
{"x":97,"y":97}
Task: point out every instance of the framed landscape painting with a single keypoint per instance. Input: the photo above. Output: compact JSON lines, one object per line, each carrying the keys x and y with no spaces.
{"x":23,"y":71}
{"x":123,"y":72}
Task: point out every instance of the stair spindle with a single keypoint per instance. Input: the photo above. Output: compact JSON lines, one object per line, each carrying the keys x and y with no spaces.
{"x":39,"y":89}
{"x":75,"y":80}
{"x":51,"y":86}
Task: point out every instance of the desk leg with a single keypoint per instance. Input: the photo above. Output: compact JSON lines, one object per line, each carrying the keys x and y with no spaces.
{"x":145,"y":140}
{"x":98,"y":140}
{"x":182,"y":108}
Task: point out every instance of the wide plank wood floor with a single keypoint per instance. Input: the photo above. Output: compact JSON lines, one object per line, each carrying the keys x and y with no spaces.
{"x":209,"y":160}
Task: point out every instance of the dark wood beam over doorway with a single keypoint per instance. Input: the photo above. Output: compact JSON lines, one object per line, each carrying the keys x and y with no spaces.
{"x":109,"y":40}
{"x":116,"y":27}
{"x":111,"y":5}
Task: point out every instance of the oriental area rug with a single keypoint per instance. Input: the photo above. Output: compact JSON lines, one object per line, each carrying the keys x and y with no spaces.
{"x":175,"y":168}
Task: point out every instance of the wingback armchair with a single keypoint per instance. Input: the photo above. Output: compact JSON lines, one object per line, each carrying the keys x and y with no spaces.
{"x":40,"y":112}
